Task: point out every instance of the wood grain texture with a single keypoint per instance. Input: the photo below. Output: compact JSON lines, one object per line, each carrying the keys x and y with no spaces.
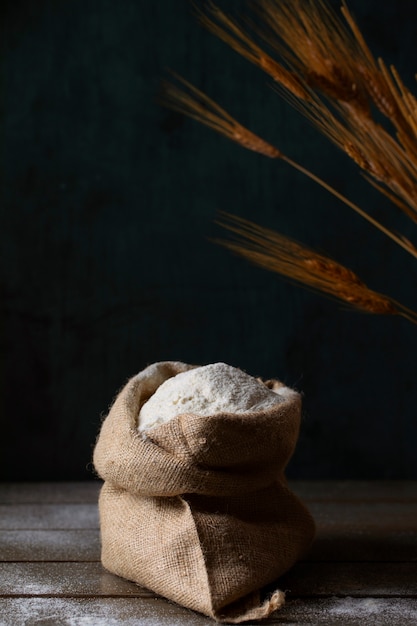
{"x":49,"y":545}
{"x":158,"y":612}
{"x":348,"y":491}
{"x":359,"y":579}
{"x":64,"y":579}
{"x":48,"y":516}
{"x":311,"y":491}
{"x":357,"y":544}
{"x":50,"y":492}
{"x":304,"y":580}
{"x":361,"y":569}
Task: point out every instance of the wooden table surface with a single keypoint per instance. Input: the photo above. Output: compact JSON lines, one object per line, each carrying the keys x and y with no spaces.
{"x":361,"y":569}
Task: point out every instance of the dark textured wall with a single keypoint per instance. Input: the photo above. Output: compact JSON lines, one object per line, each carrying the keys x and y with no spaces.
{"x":108,"y":205}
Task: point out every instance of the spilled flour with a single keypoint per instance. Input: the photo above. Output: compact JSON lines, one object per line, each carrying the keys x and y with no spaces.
{"x":206,"y":390}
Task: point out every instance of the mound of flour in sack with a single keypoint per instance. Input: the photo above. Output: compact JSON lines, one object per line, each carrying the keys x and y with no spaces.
{"x":206,"y":390}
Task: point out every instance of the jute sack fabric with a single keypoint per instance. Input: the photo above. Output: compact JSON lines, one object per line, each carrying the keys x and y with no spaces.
{"x":199,"y":510}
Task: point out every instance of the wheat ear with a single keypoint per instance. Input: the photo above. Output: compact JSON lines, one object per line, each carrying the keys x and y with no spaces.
{"x":298,"y":263}
{"x":199,"y":106}
{"x":325,"y":59}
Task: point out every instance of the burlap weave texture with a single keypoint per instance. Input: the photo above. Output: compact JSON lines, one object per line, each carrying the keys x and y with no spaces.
{"x":199,"y":510}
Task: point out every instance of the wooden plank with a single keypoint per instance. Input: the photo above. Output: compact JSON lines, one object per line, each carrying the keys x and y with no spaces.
{"x":399,"y":516}
{"x":84,"y":545}
{"x":347,"y":612}
{"x":50,"y":493}
{"x":363,"y":545}
{"x":362,"y":568}
{"x":101,"y":612}
{"x":53,"y":516}
{"x":64,"y":579}
{"x":304,"y":580}
{"x":351,"y":579}
{"x":368,"y":491}
{"x":84,"y":492}
{"x":49,"y":545}
{"x":160,"y":612}
{"x":365,"y":515}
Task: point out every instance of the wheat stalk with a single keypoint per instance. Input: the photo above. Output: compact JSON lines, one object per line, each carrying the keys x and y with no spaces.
{"x":298,"y":263}
{"x":235,"y":36}
{"x":323,"y":57}
{"x":197,"y":105}
{"x":328,"y":72}
{"x":200,"y":107}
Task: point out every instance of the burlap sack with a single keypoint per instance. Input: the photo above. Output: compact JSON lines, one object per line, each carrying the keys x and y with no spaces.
{"x":199,"y":511}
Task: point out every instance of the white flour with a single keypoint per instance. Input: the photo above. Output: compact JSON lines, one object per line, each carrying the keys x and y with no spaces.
{"x":207,"y":390}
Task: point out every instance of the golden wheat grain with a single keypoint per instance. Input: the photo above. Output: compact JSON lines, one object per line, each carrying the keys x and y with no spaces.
{"x":202,"y":108}
{"x":328,"y":72}
{"x":309,"y":38}
{"x":229,"y":31}
{"x":299,"y":263}
{"x":322,"y":55}
{"x":197,"y":105}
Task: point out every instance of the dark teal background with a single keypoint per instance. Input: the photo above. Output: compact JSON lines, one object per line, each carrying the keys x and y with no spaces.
{"x":108,"y":206}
